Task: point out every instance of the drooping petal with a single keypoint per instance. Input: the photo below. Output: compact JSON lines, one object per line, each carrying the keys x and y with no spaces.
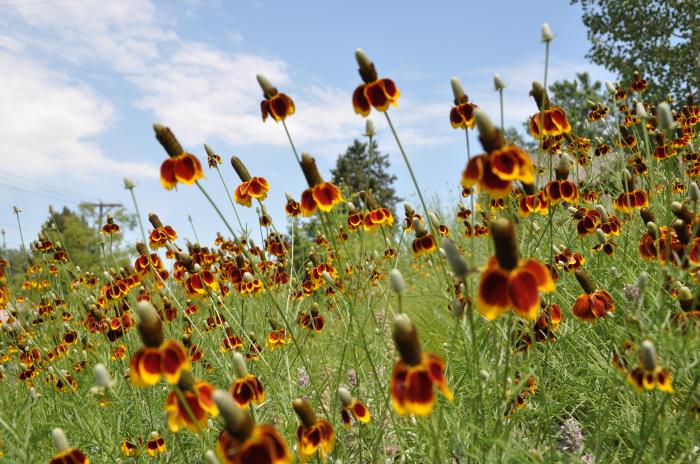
{"x":188,"y":169}
{"x":326,"y":195}
{"x":376,"y":96}
{"x":167,"y":174}
{"x":523,"y":294}
{"x":174,"y":360}
{"x":360,"y":103}
{"x":492,"y":297}
{"x":542,"y":276}
{"x":308,"y":203}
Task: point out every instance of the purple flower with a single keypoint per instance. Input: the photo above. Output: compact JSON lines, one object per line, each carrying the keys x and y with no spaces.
{"x":570,"y":436}
{"x":304,"y":379}
{"x":352,"y":377}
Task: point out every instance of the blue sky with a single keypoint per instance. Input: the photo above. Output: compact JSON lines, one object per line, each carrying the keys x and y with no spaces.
{"x":83,"y":80}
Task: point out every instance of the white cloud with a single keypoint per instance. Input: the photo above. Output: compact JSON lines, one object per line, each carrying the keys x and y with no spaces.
{"x":202,"y":92}
{"x":47,"y":123}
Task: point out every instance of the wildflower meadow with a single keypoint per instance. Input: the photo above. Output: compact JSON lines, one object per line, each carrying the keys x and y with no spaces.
{"x":551,"y":315}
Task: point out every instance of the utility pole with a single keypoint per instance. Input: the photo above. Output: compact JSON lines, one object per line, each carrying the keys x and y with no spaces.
{"x":104,"y":208}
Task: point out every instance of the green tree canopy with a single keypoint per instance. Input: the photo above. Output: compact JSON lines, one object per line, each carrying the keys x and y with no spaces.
{"x":658,"y":38}
{"x":80,"y":235}
{"x":573,"y":96}
{"x":352,"y":169}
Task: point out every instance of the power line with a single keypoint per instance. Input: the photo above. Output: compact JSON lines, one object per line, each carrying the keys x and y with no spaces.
{"x":43,"y":185}
{"x":40,"y":190}
{"x":50,"y":196}
{"x":38,"y":2}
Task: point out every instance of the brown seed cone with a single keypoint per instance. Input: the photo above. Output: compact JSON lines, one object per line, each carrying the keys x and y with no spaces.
{"x":584,"y":279}
{"x":406,"y":340}
{"x":168,"y":140}
{"x":240,"y":169}
{"x":368,"y":73}
{"x":647,"y":215}
{"x":304,"y":411}
{"x":310,"y":170}
{"x":154,"y":220}
{"x":238,"y":422}
{"x":141,"y":248}
{"x":492,"y":141}
{"x":681,"y":231}
{"x":540,"y":96}
{"x":503,"y":233}
{"x":314,"y":258}
{"x":187,"y":381}
{"x":682,"y":212}
{"x":369,"y":200}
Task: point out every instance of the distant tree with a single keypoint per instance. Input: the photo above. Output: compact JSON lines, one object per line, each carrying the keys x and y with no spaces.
{"x":79,"y":234}
{"x":658,"y":38}
{"x":91,"y":213}
{"x":573,"y":97}
{"x":512,"y":135}
{"x":352,"y":171}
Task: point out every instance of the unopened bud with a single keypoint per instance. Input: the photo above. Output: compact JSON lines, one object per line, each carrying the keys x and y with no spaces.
{"x":641,"y":111}
{"x":239,"y":366}
{"x":498,"y":83}
{"x":664,"y":117}
{"x":60,"y":441}
{"x":369,"y":128}
{"x":211,"y":458}
{"x":454,"y":258}
{"x":327,"y":277}
{"x":102,"y":377}
{"x":600,"y":235}
{"x":647,"y":355}
{"x":345,"y":396}
{"x":603,"y":212}
{"x":396,"y":281}
{"x":693,"y":192}
{"x":642,"y":281}
{"x":547,"y":35}
{"x":128,"y":183}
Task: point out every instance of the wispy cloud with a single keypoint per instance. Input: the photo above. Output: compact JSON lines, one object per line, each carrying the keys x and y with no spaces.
{"x":49,"y":122}
{"x":203,"y":92}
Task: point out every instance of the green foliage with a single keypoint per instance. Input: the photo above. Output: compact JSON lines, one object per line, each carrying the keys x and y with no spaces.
{"x":352,"y":168}
{"x":658,"y":38}
{"x":79,"y":233}
{"x":512,"y":135}
{"x":573,"y":97}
